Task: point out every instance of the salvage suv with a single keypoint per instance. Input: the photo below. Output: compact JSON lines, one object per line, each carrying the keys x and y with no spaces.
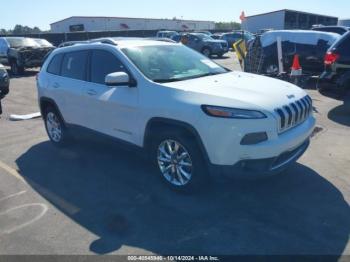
{"x":337,"y":66}
{"x":21,"y":53}
{"x":192,"y":116}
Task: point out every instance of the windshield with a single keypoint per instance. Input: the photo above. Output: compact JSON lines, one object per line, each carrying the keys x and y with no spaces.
{"x":169,"y":63}
{"x":21,"y":42}
{"x":204,"y":36}
{"x":43,"y":42}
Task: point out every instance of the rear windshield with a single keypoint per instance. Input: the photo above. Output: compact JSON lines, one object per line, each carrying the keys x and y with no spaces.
{"x":21,"y":42}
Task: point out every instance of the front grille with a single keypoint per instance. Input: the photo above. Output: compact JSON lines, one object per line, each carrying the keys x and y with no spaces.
{"x":293,"y":114}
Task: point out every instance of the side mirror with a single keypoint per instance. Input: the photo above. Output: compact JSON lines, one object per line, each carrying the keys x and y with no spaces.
{"x":117,"y":79}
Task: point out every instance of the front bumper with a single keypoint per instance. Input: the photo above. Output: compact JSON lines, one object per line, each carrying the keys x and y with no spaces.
{"x":261,"y":167}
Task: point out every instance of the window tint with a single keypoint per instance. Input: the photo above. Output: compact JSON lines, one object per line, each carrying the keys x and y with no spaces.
{"x":74,"y":65}
{"x":102,"y":64}
{"x":344,"y":45}
{"x":55,"y":65}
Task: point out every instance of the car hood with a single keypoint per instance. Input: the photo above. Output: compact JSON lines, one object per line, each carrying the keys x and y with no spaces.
{"x":240,"y":89}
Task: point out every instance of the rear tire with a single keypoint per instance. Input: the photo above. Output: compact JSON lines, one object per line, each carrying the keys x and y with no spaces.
{"x":55,"y":127}
{"x":16,"y":69}
{"x":179,"y":162}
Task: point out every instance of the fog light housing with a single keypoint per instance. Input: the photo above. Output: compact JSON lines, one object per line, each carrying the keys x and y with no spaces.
{"x":254,"y":138}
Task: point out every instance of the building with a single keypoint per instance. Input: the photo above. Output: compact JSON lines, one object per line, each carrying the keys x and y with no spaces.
{"x":344,"y":22}
{"x":88,"y":24}
{"x":286,"y":19}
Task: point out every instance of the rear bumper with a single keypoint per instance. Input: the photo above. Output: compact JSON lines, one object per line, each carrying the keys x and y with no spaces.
{"x":254,"y":168}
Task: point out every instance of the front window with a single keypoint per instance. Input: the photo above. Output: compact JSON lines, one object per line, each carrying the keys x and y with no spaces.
{"x":21,"y":42}
{"x":170,"y":63}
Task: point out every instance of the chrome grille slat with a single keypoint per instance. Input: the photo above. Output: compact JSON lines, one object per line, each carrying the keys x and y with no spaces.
{"x":293,"y":114}
{"x":298,"y":103}
{"x":305,"y":107}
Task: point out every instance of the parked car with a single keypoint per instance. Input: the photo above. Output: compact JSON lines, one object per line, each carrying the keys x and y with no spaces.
{"x":189,"y":114}
{"x":4,"y":82}
{"x":337,"y":65}
{"x":204,"y":32}
{"x":166,"y":34}
{"x":205,"y":44}
{"x":21,"y":53}
{"x":311,"y":46}
{"x":233,"y":37}
{"x":332,"y":29}
{"x":216,"y":36}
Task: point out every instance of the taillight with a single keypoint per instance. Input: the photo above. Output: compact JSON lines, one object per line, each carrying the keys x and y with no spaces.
{"x":330,"y":58}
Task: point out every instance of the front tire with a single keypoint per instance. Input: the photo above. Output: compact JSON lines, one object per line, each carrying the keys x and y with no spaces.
{"x":55,"y":128}
{"x":206,"y":51}
{"x":16,"y":69}
{"x":179,"y":162}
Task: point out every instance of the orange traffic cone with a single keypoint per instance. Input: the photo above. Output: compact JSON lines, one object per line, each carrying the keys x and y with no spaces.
{"x":296,"y":68}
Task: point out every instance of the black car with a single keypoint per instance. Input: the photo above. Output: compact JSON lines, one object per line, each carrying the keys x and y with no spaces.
{"x":337,"y":65}
{"x":21,"y":53}
{"x":235,"y":36}
{"x":311,"y":46}
{"x":332,"y":29}
{"x":4,"y":82}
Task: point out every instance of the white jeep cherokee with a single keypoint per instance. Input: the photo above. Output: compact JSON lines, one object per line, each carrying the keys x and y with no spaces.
{"x":194,"y":116}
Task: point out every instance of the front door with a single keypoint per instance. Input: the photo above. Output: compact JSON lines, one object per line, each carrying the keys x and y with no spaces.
{"x":110,"y":110}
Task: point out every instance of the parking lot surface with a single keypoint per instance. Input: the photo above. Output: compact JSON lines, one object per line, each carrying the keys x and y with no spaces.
{"x":97,"y":198}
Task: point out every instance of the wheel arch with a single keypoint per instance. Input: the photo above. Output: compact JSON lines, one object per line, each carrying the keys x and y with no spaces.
{"x":159,"y":124}
{"x":46,"y":102}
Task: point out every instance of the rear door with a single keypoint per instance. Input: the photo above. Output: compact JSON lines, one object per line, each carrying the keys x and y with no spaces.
{"x":67,"y":83}
{"x":343,"y":50}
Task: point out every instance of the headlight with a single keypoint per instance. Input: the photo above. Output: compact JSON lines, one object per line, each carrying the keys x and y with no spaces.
{"x":225,"y":112}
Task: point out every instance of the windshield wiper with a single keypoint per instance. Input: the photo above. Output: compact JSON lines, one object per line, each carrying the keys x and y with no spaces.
{"x":167,"y":80}
{"x":187,"y":77}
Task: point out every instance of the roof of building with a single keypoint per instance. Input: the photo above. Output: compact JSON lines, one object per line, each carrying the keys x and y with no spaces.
{"x":116,"y":17}
{"x":285,"y":10}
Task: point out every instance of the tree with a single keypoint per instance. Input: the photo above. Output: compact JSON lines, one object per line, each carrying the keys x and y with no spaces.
{"x":227,"y":26}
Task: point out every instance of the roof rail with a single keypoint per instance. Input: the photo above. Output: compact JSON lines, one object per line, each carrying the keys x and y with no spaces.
{"x":108,"y":41}
{"x":161,"y":39}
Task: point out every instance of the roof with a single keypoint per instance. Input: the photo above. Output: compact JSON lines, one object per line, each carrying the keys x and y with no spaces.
{"x":285,"y":10}
{"x":306,"y":37}
{"x":122,"y":42}
{"x":117,"y":17}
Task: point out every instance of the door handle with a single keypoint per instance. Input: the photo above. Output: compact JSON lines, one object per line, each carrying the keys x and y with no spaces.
{"x":91,"y":92}
{"x":56,"y":85}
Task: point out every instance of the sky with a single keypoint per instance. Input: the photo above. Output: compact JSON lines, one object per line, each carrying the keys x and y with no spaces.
{"x":43,"y":12}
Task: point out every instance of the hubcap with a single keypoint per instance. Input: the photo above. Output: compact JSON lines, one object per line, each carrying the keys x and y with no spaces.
{"x":272,"y":69}
{"x":53,"y":127}
{"x":206,"y":52}
{"x":175,"y":163}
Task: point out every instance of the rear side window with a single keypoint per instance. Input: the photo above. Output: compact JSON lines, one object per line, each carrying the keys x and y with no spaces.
{"x":74,"y":65}
{"x":344,"y":45}
{"x":55,"y":65}
{"x":102,"y":64}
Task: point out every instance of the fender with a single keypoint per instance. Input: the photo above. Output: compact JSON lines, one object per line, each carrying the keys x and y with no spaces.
{"x":180,"y":124}
{"x":47,"y":100}
{"x":344,"y":79}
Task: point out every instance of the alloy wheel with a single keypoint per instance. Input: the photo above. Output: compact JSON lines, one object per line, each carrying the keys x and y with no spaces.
{"x":175,"y":163}
{"x":54,"y":128}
